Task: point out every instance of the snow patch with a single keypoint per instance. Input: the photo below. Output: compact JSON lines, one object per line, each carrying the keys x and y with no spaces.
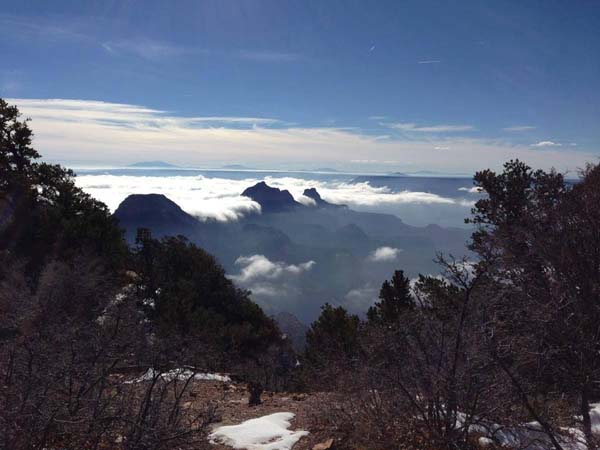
{"x":179,"y":375}
{"x":263,"y":433}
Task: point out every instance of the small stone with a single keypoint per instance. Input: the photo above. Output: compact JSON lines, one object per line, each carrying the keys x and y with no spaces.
{"x":485,"y":441}
{"x":325,"y":445}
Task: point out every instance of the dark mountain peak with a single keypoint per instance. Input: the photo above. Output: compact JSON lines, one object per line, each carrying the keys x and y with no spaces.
{"x":313,"y":194}
{"x":271,"y":199}
{"x":152,"y":211}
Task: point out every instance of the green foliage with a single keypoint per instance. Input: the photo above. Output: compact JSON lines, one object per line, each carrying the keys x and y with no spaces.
{"x":16,"y":153}
{"x":395,"y":300}
{"x":44,"y":215}
{"x":438,"y":297}
{"x":333,"y":336}
{"x":515,"y":200}
{"x":191,"y":295}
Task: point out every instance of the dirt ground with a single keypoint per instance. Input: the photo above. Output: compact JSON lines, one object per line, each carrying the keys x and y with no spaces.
{"x":232,"y":408}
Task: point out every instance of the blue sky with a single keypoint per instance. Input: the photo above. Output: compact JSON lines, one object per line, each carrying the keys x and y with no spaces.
{"x":398,"y":85}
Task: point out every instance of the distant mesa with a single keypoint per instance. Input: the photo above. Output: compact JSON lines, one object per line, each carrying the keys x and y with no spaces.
{"x":320,"y":169}
{"x":271,"y":199}
{"x":435,"y":174}
{"x":153,"y":165}
{"x":313,"y":194}
{"x":371,"y":178}
{"x":237,"y":167}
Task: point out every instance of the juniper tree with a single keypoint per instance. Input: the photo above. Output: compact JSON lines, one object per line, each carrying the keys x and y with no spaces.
{"x":395,"y":299}
{"x":538,"y":237}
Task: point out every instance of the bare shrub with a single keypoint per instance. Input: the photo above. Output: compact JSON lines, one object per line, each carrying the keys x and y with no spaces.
{"x":58,"y":360}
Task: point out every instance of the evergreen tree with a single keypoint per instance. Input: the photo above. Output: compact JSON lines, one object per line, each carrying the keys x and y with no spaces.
{"x":185,"y":291}
{"x":537,"y":237}
{"x":332,"y":343}
{"x":43,"y":215}
{"x":395,"y":299}
{"x":16,"y":154}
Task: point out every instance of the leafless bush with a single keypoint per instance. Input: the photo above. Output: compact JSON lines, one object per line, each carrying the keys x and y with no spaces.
{"x":424,"y":380}
{"x":60,"y":348}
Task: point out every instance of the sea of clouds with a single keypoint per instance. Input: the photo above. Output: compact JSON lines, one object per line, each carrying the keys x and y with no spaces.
{"x":220,"y":198}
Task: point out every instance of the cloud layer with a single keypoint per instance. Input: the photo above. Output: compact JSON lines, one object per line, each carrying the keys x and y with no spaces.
{"x":206,"y":198}
{"x":115,"y":133}
{"x":221,"y":199}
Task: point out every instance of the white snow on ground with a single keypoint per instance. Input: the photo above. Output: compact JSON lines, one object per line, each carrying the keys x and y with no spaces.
{"x":180,"y":375}
{"x":263,"y":433}
{"x":595,"y":417}
{"x":529,"y":436}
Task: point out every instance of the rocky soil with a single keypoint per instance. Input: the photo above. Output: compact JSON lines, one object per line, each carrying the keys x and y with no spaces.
{"x":231,"y":401}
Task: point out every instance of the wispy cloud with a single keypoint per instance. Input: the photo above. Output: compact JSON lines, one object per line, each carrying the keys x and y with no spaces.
{"x":409,"y":127}
{"x":148,"y":49}
{"x":429,"y":61}
{"x":53,"y":30}
{"x":125,"y":115}
{"x":83,"y":129}
{"x":518,"y":128}
{"x":45,"y":30}
{"x":547,"y":144}
{"x":269,"y":56}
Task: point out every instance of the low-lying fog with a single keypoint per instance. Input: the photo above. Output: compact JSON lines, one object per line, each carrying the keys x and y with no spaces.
{"x":216,"y":195}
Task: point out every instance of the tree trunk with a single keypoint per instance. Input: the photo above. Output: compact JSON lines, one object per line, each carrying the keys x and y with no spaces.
{"x":255,"y":389}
